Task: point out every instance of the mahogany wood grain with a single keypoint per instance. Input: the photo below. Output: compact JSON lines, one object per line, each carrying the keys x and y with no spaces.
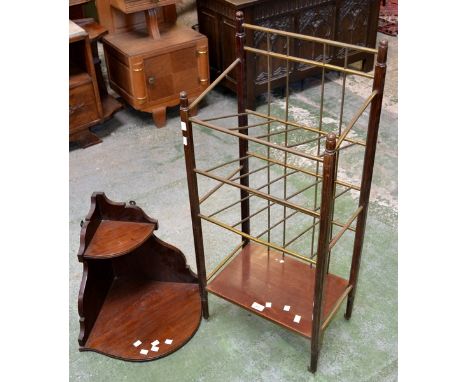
{"x":253,"y":276}
{"x":116,"y":238}
{"x":145,"y":310}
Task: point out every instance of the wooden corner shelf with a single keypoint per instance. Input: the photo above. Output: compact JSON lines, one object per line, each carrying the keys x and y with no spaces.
{"x":135,"y":287}
{"x":254,"y":276}
{"x":117,"y":238}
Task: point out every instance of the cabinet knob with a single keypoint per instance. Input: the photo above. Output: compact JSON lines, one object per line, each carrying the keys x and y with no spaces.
{"x":151,"y":80}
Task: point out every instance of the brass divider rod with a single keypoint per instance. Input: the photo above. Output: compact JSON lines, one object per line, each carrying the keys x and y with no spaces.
{"x":345,"y":228}
{"x":249,"y":126}
{"x":356,"y":117}
{"x":310,"y":38}
{"x":260,"y":194}
{"x":306,"y":142}
{"x":257,"y":240}
{"x":335,"y":308}
{"x":253,"y":171}
{"x":300,"y":234}
{"x":308,"y":128}
{"x":214,"y":83}
{"x":247,"y":197}
{"x":253,"y":139}
{"x":217,"y":187}
{"x":286,"y":130}
{"x":303,"y":170}
{"x":278,"y":223}
{"x":224,"y":261}
{"x":226,"y":163}
{"x":224,"y":117}
{"x":308,"y":62}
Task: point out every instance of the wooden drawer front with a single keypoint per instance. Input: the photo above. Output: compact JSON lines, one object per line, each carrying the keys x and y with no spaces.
{"x":169,"y":74}
{"x":131,"y":6}
{"x":82,"y":107}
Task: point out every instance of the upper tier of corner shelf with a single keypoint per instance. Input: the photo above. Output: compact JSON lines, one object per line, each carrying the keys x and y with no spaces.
{"x":116,"y":238}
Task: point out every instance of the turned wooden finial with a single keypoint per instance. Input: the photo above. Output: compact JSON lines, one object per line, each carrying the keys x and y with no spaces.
{"x":330,"y":144}
{"x":183,"y":100}
{"x":382,"y":53}
{"x":239,"y":22}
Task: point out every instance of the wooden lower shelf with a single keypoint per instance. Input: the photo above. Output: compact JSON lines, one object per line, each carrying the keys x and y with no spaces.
{"x":253,"y":276}
{"x":145,"y":310}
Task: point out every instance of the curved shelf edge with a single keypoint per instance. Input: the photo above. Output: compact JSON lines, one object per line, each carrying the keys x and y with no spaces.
{"x":171,"y":310}
{"x":117,"y":238}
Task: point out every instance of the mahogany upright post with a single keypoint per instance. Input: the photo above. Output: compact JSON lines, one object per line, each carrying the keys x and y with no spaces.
{"x":242,"y":121}
{"x":328,"y":184}
{"x":368,"y":166}
{"x":192,"y":183}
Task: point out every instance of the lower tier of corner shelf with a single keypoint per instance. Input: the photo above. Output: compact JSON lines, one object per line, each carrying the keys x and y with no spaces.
{"x":145,"y":310}
{"x":254,"y":276}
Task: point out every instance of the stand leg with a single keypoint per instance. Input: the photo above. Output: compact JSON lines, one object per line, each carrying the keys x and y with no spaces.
{"x":159,"y":116}
{"x":192,"y":184}
{"x":368,"y":166}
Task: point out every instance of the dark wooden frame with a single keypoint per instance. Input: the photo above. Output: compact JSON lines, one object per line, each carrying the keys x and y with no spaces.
{"x":325,"y":300}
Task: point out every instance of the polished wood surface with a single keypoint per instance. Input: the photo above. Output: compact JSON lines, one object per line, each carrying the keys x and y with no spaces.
{"x":253,"y":276}
{"x":89,"y":102}
{"x":134,"y":285}
{"x":348,"y":21}
{"x":145,"y":310}
{"x":85,"y":108}
{"x":116,"y":238}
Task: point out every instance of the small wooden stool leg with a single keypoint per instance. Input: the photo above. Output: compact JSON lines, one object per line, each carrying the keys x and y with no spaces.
{"x":159,"y":116}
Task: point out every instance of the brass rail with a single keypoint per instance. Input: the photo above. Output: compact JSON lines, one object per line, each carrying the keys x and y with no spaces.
{"x":336,"y":307}
{"x":253,"y":139}
{"x":303,"y":170}
{"x":345,"y":228}
{"x":213,"y":84}
{"x":355,"y":118}
{"x":257,"y":240}
{"x":310,"y":38}
{"x":309,"y":62}
{"x":224,"y":261}
{"x":260,"y":194}
{"x":308,"y":128}
{"x":218,"y":186}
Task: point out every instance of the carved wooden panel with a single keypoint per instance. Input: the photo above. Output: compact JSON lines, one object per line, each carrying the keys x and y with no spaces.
{"x":319,"y":22}
{"x":353,"y":23}
{"x":278,"y":44}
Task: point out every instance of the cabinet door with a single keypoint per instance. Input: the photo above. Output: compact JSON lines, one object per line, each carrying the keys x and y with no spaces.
{"x":83,"y":110}
{"x":168,"y":74}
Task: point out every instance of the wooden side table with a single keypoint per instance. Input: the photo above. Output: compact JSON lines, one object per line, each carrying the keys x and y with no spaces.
{"x":150,"y":59}
{"x":106,"y":105}
{"x":85,"y":109}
